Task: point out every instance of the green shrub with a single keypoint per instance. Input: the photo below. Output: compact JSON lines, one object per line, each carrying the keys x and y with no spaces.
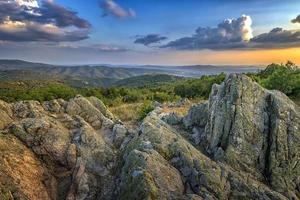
{"x":145,"y":109}
{"x":285,"y":78}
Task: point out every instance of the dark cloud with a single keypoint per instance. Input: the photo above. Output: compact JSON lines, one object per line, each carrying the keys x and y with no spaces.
{"x":296,"y":20}
{"x":279,"y":36}
{"x":62,"y":17}
{"x":149,"y":39}
{"x":112,"y":8}
{"x":38,"y":33}
{"x":45,"y":22}
{"x":231,"y":33}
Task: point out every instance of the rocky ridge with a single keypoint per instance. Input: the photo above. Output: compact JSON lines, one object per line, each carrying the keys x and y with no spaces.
{"x":244,"y":143}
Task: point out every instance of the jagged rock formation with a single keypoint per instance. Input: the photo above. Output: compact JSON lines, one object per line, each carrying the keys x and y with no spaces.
{"x":244,"y":143}
{"x":72,"y":140}
{"x":253,"y":130}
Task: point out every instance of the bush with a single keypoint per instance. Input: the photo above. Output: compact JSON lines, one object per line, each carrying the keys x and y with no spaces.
{"x":285,"y":78}
{"x":146,"y":108}
{"x":199,"y":87}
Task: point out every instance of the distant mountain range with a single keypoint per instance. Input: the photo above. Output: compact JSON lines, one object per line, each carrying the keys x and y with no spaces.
{"x":101,"y":75}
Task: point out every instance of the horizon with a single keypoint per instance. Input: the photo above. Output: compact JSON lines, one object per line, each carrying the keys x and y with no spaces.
{"x":116,"y":32}
{"x":124,"y":65}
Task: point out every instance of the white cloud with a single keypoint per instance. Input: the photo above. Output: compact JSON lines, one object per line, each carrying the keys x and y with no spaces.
{"x":231,"y":33}
{"x":110,"y":7}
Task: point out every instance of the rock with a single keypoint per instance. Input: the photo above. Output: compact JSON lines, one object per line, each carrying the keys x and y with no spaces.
{"x":156,"y":104}
{"x":258,"y":130}
{"x":172,"y":119}
{"x":70,"y":139}
{"x":197,"y":115}
{"x":22,"y":175}
{"x":55,"y":106}
{"x":146,"y":175}
{"x":27,"y":109}
{"x":101,"y":107}
{"x":253,"y":130}
{"x":5,"y":115}
{"x":204,"y":177}
{"x":119,"y":134}
{"x":244,"y":143}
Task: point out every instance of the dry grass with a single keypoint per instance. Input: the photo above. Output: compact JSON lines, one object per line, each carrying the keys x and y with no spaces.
{"x":127,"y":113}
{"x":181,"y":110}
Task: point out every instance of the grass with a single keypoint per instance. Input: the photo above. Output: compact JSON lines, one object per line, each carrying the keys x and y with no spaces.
{"x":182,"y":110}
{"x":127,"y":113}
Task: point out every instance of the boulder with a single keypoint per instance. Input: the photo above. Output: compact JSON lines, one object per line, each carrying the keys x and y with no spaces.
{"x":202,"y":177}
{"x":258,"y":130}
{"x":22,"y":175}
{"x":244,"y":143}
{"x":253,"y":130}
{"x":71,"y":141}
{"x":197,"y":116}
{"x":147,"y":175}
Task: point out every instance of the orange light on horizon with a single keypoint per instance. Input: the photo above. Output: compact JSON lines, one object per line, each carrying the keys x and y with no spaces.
{"x":236,"y":57}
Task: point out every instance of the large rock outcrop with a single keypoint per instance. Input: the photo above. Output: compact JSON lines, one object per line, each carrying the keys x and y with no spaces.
{"x":253,"y":130}
{"x":71,"y":140}
{"x":244,"y":143}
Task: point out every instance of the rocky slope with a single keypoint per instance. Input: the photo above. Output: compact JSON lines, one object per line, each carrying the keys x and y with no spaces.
{"x":244,"y":143}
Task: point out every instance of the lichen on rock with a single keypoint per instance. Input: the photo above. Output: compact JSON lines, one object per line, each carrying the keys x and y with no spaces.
{"x":243,"y":143}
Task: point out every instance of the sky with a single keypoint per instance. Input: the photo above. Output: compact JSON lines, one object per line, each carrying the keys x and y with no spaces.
{"x":156,"y":32}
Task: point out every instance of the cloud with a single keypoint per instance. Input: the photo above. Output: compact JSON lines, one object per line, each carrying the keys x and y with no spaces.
{"x":107,"y":48}
{"x":149,"y":39}
{"x":62,"y":17}
{"x":231,"y":33}
{"x":276,"y":38}
{"x":236,"y":34}
{"x":112,"y":8}
{"x":95,"y":47}
{"x":278,"y":35}
{"x":27,"y":20}
{"x":296,"y":20}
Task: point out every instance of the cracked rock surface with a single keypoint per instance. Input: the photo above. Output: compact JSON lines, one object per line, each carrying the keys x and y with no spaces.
{"x":243,"y":143}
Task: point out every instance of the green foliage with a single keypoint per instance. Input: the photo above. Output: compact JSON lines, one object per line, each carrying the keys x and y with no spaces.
{"x":52,"y":91}
{"x":198,"y":88}
{"x":147,"y":80}
{"x":285,"y":78}
{"x":145,"y":109}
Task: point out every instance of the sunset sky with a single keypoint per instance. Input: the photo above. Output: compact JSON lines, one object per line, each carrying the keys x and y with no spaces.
{"x":161,"y":32}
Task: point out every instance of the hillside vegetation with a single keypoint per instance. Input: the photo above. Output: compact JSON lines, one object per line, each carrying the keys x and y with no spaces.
{"x":285,"y":78}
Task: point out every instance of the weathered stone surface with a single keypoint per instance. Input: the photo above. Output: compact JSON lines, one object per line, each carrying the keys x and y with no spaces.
{"x":119,"y":134}
{"x":5,"y":114}
{"x":172,"y":119}
{"x":71,"y":140}
{"x":258,"y":130}
{"x":201,"y":175}
{"x":244,"y":143}
{"x":147,"y":175}
{"x":197,"y":116}
{"x":22,"y":175}
{"x":101,"y":106}
{"x":254,"y":130}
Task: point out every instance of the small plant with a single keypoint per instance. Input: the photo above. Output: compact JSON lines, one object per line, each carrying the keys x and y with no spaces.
{"x":146,"y":108}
